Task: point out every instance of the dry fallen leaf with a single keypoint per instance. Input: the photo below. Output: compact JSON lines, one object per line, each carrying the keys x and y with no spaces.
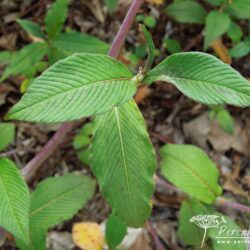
{"x":221,"y":50}
{"x":88,"y":236}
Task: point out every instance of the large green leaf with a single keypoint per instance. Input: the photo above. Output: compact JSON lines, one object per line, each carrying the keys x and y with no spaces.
{"x":123,"y":160}
{"x":203,"y":78}
{"x":190,"y":169}
{"x":187,"y":12}
{"x":57,"y":199}
{"x":7,"y":134}
{"x":14,"y":197}
{"x":32,"y":28}
{"x":78,"y":86}
{"x":56,"y":17}
{"x":217,"y":23}
{"x":74,"y":42}
{"x":23,"y":60}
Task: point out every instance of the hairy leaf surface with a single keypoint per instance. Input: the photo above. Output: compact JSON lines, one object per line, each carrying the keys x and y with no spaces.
{"x":78,"y":86}
{"x":14,"y":201}
{"x":124,"y":161}
{"x":203,"y":78}
{"x":190,"y":169}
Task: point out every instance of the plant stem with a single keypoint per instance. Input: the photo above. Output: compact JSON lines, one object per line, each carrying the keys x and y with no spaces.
{"x":154,"y":236}
{"x":223,"y":202}
{"x":49,"y":148}
{"x":121,"y":35}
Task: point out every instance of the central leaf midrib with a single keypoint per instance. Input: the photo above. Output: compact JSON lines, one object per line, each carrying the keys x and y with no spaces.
{"x":123,"y":157}
{"x":72,"y":89}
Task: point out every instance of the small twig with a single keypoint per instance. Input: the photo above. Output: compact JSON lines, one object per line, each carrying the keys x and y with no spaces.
{"x":153,"y":234}
{"x":8,"y":153}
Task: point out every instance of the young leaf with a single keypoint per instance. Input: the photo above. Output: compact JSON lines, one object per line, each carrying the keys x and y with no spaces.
{"x":240,"y":50}
{"x":56,"y":17}
{"x":151,"y":48}
{"x":216,"y":2}
{"x":115,"y":232}
{"x":187,"y":12}
{"x":57,"y":199}
{"x":235,"y":33}
{"x":217,"y":23}
{"x":78,"y":86}
{"x":124,"y":162}
{"x":24,"y":59}
{"x":172,"y":45}
{"x":188,"y":232}
{"x":14,"y":197}
{"x":74,"y":42}
{"x":111,"y":4}
{"x":190,"y":169}
{"x":32,"y":28}
{"x":7,"y":134}
{"x":203,"y":78}
{"x":5,"y":57}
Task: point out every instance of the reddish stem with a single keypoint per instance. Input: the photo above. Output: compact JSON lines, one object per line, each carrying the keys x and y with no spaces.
{"x":49,"y":148}
{"x":152,"y":231}
{"x":223,"y":202}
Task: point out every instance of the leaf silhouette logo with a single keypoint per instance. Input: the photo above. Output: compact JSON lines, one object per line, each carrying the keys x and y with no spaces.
{"x":207,"y":221}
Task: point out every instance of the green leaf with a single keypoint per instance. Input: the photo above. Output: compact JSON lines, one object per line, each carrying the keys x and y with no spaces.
{"x":57,"y":199}
{"x":56,"y":17}
{"x":124,"y":162}
{"x":217,"y":23}
{"x":225,"y":120}
{"x":235,"y":33}
{"x":150,"y":47}
{"x":111,"y":4}
{"x":240,"y":50}
{"x":229,"y":227}
{"x":24,"y":59}
{"x":32,"y":28}
{"x":239,"y":8}
{"x":172,"y":45}
{"x":189,"y":232}
{"x":14,"y":197}
{"x":74,"y":42}
{"x":187,"y":12}
{"x":190,"y":169}
{"x":150,"y":21}
{"x":78,"y":86}
{"x":5,"y":57}
{"x":203,"y":78}
{"x":115,"y":232}
{"x":7,"y":134}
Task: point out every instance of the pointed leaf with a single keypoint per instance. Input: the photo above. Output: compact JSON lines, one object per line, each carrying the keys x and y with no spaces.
{"x":32,"y":28}
{"x":56,"y":17}
{"x":78,"y":86}
{"x":57,"y":199}
{"x":190,"y":169}
{"x":203,"y":78}
{"x":124,"y":162}
{"x":14,"y":197}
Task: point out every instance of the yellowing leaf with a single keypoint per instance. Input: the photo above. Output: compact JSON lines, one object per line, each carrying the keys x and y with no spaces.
{"x":88,"y":236}
{"x":158,"y":2}
{"x":221,"y":50}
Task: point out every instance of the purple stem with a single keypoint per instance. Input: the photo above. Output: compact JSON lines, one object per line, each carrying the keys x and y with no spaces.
{"x":223,"y":202}
{"x":49,"y":148}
